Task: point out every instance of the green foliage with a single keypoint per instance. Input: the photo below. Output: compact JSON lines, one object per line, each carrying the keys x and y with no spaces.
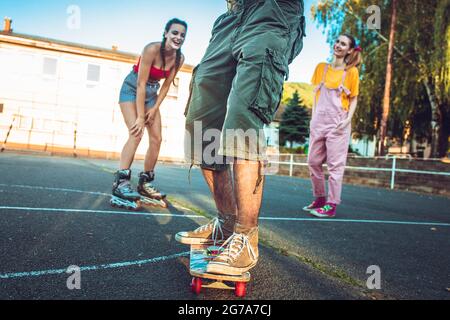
{"x":294,"y":126}
{"x":304,"y":90}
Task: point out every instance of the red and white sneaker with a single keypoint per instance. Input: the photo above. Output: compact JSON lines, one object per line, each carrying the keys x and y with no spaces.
{"x":327,"y":211}
{"x":316,"y":204}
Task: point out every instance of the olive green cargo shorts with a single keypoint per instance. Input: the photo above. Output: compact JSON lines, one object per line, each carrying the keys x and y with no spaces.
{"x":237,"y":87}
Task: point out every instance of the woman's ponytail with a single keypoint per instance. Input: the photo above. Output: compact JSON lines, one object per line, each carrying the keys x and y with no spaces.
{"x":353,"y":59}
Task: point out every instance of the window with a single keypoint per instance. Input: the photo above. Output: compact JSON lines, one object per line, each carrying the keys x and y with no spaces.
{"x":93,"y":73}
{"x":50,"y":65}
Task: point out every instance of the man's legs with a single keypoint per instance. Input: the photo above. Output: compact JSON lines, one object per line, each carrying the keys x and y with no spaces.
{"x":262,"y":48}
{"x":241,"y":250}
{"x":249,"y":184}
{"x":207,"y":107}
{"x":220,"y":184}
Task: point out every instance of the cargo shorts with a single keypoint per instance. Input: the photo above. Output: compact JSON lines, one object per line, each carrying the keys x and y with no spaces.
{"x":237,"y":87}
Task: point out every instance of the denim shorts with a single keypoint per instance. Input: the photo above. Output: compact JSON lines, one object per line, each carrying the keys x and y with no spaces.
{"x":128,"y":90}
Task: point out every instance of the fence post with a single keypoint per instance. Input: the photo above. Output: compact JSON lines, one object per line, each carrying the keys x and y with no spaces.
{"x":75,"y":141}
{"x":7,"y":135}
{"x":291,"y":165}
{"x":393,"y":172}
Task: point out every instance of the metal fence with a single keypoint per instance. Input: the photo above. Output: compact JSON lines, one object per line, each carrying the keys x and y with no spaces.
{"x":393,"y":169}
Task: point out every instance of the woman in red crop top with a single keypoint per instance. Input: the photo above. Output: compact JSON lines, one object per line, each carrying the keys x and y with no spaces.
{"x":140,"y":102}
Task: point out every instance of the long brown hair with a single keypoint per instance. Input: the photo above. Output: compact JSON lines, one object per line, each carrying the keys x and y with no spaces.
{"x":163,"y":45}
{"x":353,"y":59}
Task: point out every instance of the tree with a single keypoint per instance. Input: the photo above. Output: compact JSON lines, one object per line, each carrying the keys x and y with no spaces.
{"x":294,"y":126}
{"x":387,"y":87}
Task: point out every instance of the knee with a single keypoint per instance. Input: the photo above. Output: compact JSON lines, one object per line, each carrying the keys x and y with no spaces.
{"x":336,"y":167}
{"x":156,"y":140}
{"x":134,"y":140}
{"x":315,"y":162}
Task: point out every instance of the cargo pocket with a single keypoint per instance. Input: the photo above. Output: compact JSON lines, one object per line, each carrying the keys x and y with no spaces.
{"x":297,"y":46}
{"x":267,"y":100}
{"x":191,"y":86}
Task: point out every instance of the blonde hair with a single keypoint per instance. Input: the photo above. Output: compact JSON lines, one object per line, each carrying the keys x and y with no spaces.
{"x":353,"y":59}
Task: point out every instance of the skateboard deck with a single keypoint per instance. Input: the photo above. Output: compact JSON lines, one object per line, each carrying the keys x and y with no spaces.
{"x":200,"y":256}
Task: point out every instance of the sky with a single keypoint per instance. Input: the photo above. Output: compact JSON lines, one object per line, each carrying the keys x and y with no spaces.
{"x":132,"y":24}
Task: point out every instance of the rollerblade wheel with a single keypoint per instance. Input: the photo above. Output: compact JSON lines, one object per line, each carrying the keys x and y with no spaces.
{"x":124,"y":204}
{"x":196,"y":285}
{"x":240,"y":289}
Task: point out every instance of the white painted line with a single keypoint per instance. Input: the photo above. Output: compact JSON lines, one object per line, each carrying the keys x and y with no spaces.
{"x":196,"y":216}
{"x":135,"y":213}
{"x":92,"y":268}
{"x":54,"y":189}
{"x":75,"y":191}
{"x":424,"y":223}
{"x":357,"y":221}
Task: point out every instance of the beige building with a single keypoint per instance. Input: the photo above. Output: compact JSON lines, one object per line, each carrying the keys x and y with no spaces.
{"x":60,"y":96}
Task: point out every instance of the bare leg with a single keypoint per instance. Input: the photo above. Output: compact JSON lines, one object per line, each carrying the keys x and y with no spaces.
{"x":129,"y":150}
{"x":241,"y":253}
{"x":249,"y":183}
{"x":155,"y":139}
{"x":221,"y":186}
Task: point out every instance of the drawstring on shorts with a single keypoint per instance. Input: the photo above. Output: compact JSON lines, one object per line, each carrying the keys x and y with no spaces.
{"x":189,"y":174}
{"x":260,"y":177}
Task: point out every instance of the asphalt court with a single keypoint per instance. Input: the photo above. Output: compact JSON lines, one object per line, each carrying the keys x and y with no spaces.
{"x":55,"y":213}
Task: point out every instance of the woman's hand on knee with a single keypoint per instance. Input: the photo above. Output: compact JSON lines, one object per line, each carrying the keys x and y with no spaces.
{"x":138,"y":127}
{"x":150,"y":116}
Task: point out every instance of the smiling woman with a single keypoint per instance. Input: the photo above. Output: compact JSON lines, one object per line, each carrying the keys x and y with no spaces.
{"x":139,"y":102}
{"x":336,"y":98}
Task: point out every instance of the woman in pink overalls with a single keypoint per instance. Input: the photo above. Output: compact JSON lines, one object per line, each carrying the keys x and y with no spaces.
{"x":337,"y":88}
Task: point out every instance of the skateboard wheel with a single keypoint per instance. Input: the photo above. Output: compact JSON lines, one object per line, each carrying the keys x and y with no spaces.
{"x":240,"y":289}
{"x":196,"y":285}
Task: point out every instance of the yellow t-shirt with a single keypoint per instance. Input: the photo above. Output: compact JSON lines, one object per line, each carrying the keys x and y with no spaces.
{"x":334,"y":78}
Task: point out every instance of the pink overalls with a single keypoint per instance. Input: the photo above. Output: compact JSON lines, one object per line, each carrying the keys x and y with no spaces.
{"x":326,"y":144}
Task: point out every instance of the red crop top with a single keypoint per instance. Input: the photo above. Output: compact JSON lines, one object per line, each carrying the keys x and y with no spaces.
{"x":155,"y":73}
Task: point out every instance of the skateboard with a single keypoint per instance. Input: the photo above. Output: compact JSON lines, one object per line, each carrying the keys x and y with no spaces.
{"x":200,"y":255}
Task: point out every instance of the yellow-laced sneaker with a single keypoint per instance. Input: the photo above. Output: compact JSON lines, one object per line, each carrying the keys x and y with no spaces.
{"x":240,"y":253}
{"x":214,"y":232}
